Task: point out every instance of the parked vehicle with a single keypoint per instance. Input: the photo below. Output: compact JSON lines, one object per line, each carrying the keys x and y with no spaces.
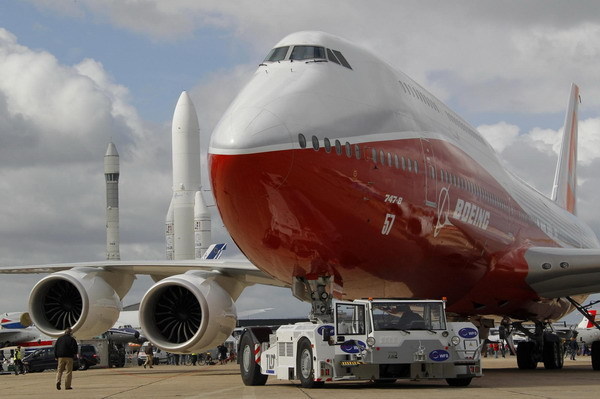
{"x":88,"y":357}
{"x":380,"y":340}
{"x":43,"y":359}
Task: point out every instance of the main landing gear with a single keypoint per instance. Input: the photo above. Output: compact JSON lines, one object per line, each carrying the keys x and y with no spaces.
{"x":543,"y":347}
{"x":547,"y":347}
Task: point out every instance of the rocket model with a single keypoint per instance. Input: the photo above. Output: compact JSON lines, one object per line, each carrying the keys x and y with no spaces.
{"x":111,"y":175}
{"x":188,"y":219}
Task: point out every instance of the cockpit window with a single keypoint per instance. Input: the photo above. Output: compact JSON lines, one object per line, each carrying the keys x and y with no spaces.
{"x":342,"y":59}
{"x":277,"y":54}
{"x":332,"y":57}
{"x":307,"y":52}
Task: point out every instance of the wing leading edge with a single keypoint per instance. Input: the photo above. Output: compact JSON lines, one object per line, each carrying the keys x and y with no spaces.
{"x":241,"y":270}
{"x":560,"y":272}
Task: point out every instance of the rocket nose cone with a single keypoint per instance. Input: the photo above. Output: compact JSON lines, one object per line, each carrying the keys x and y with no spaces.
{"x":111,"y":151}
{"x":111,"y":161}
{"x":184,"y":98}
{"x":184,"y":116}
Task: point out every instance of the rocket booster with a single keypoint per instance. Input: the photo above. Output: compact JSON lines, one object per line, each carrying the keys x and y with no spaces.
{"x":169,"y":233}
{"x":111,"y":176}
{"x":181,"y":234}
{"x":202,"y":232}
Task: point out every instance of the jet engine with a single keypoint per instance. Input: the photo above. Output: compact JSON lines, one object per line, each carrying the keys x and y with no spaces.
{"x":187,"y":313}
{"x":85,"y":299}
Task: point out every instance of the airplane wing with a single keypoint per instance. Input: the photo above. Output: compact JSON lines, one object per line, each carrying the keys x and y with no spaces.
{"x":242,"y":270}
{"x":560,"y":272}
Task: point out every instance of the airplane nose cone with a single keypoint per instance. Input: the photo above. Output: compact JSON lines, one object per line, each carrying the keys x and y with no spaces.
{"x":250,"y":129}
{"x":251,"y":154}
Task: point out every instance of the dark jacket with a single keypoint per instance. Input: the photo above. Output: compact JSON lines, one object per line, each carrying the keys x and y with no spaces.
{"x":65,"y":346}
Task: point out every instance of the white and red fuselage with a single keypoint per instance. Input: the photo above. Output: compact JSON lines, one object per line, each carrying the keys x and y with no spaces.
{"x":348,"y":168}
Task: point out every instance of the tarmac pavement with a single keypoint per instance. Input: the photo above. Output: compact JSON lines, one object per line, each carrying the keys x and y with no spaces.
{"x":502,"y":380}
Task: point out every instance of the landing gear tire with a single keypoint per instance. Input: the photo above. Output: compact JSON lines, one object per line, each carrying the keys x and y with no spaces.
{"x":249,"y":369}
{"x":596,"y":355}
{"x":526,"y":356}
{"x":459,"y":382}
{"x":305,"y":366}
{"x":553,"y":355}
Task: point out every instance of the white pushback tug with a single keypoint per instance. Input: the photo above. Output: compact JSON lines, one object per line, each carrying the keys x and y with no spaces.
{"x":378,"y":340}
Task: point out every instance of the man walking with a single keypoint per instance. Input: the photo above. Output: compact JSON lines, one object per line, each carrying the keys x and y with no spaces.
{"x":573,"y":347}
{"x":149,"y":355}
{"x":65,"y":349}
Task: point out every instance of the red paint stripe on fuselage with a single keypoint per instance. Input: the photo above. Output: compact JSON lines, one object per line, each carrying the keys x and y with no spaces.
{"x":36,"y":344}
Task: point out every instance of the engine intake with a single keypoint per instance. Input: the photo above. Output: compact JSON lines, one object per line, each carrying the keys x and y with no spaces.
{"x":79,"y":298}
{"x":187,"y":313}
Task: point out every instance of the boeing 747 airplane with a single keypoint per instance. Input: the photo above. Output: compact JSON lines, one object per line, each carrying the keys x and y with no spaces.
{"x":332,"y":169}
{"x":340,"y":177}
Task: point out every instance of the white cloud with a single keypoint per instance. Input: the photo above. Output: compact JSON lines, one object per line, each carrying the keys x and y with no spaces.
{"x":66,"y":113}
{"x":589,"y":139}
{"x":500,"y":135}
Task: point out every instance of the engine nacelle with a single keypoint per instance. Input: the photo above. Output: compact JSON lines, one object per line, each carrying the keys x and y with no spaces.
{"x":187,"y":313}
{"x":79,"y":298}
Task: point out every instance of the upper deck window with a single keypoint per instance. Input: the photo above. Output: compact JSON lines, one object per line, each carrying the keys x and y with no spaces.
{"x":307,"y":53}
{"x":277,"y":54}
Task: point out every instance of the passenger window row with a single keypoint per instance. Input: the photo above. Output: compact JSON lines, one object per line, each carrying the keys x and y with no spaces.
{"x":475,"y":189}
{"x":416,"y":93}
{"x":392,"y":160}
{"x":494,"y":200}
{"x":381,"y":157}
{"x":310,"y":53}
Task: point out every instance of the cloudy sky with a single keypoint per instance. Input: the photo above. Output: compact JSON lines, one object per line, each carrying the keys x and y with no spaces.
{"x":75,"y":74}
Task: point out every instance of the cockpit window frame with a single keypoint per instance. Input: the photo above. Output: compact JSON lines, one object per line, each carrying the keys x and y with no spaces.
{"x":342,"y":59}
{"x":304,"y":55}
{"x":274,"y":51}
{"x":324,"y":54}
{"x":331,"y":57}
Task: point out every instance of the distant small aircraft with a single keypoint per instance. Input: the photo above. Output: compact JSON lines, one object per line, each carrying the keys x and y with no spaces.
{"x":587,"y":331}
{"x":16,"y":329}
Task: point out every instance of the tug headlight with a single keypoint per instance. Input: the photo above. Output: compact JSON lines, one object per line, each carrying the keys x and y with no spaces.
{"x":371,"y":341}
{"x":455,"y":340}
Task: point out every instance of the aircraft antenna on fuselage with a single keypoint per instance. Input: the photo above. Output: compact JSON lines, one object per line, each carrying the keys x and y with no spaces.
{"x":565,"y":178}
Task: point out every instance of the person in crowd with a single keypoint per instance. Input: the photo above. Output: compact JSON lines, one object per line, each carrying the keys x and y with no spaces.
{"x":19,"y":361}
{"x":65,"y":349}
{"x":149,"y":351}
